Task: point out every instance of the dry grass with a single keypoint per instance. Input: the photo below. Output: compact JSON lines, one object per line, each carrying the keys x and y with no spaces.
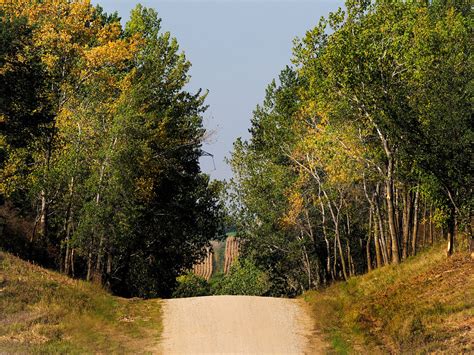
{"x":424,"y":305}
{"x":45,"y":312}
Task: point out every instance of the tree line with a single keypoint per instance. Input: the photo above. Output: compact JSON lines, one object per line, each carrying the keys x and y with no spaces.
{"x":99,"y":147}
{"x":362,"y":150}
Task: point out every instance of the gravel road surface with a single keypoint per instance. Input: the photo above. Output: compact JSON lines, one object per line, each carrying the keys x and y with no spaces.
{"x":235,"y":325}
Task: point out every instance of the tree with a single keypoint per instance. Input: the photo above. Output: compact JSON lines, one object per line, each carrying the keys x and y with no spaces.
{"x":263,"y":175}
{"x":114,"y":181}
{"x":369,"y":141}
{"x":22,"y":111}
{"x":244,"y":278}
{"x":440,"y":63}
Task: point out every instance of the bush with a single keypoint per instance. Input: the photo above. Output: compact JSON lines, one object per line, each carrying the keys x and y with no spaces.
{"x":215,"y":283}
{"x":244,"y":278}
{"x":191,"y":285}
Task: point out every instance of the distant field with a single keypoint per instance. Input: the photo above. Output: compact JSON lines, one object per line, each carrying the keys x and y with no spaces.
{"x":45,"y":312}
{"x":221,"y":258}
{"x":205,"y":268}
{"x":423,"y":305}
{"x":231,"y":252}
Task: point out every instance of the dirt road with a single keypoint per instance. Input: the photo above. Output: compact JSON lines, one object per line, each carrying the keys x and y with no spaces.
{"x":235,"y":325}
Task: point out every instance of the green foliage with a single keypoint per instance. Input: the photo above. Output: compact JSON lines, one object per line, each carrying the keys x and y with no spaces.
{"x":144,"y":21}
{"x":100,"y":144}
{"x":374,"y":122}
{"x":191,"y":285}
{"x":215,"y":282}
{"x":100,"y":150}
{"x":22,"y":80}
{"x":244,"y":278}
{"x":263,"y":174}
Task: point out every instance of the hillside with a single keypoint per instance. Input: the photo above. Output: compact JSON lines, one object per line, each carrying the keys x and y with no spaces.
{"x":43,"y":312}
{"x":422,"y":305}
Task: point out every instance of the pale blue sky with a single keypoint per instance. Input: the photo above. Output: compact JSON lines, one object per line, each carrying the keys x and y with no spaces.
{"x":236,"y":48}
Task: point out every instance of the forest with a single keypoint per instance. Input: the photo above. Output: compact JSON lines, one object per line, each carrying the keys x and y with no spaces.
{"x":361,"y":153}
{"x":99,"y":147}
{"x":359,"y":156}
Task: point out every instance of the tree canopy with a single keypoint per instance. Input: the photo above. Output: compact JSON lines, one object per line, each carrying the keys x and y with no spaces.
{"x":368,"y":145}
{"x":100,"y":144}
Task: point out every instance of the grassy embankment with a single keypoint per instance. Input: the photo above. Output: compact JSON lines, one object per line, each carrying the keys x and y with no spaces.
{"x":43,"y":312}
{"x":422,"y":305}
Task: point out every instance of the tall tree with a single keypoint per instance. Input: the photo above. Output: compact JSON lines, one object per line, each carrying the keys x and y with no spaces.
{"x":115,"y":143}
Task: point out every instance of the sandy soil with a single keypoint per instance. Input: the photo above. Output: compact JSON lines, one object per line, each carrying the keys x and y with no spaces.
{"x":236,"y":325}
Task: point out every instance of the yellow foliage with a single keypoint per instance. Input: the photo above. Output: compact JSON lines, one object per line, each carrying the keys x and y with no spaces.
{"x":64,"y":31}
{"x":77,"y":50}
{"x":296,"y":204}
{"x":112,"y":53}
{"x":109,"y":32}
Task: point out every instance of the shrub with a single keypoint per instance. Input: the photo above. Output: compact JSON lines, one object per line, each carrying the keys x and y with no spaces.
{"x":244,"y":278}
{"x":191,"y":285}
{"x":215,"y":283}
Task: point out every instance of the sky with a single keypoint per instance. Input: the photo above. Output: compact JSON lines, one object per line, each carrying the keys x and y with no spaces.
{"x":236,"y":48}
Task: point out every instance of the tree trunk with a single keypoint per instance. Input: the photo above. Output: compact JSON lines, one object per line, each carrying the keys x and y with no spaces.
{"x":415,"y":223}
{"x":89,"y":266}
{"x":328,"y":247}
{"x":406,"y":222}
{"x":307,"y":264}
{"x":424,"y":225}
{"x":43,"y":220}
{"x":391,"y":212}
{"x":378,"y":253}
{"x":384,"y":245}
{"x":67,"y":226}
{"x":369,"y":234}
{"x":334,"y":264}
{"x":471,"y":246}
{"x":335,"y":218}
{"x":103,"y":241}
{"x":431,"y":226}
{"x":367,"y":245}
{"x":109,"y":270}
{"x":341,"y":253}
{"x":72,"y":263}
{"x":350,"y":260}
{"x":451,"y":232}
{"x":67,"y":257}
{"x":470,"y":233}
{"x":100,"y":250}
{"x":398,"y":215}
